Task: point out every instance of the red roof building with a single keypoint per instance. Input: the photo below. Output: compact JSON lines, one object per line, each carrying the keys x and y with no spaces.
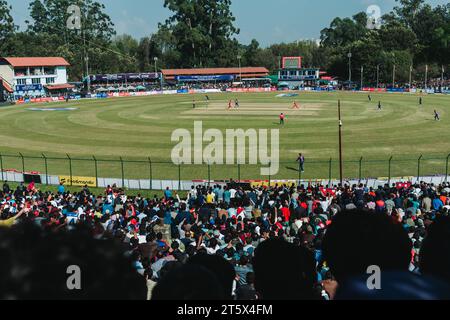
{"x":18,"y":62}
{"x":34,"y":76}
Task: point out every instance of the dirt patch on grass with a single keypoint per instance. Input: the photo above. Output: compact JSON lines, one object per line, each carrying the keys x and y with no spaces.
{"x":254,"y":109}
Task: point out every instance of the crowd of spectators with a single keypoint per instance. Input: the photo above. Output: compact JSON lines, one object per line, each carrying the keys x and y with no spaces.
{"x":225,"y":242}
{"x":156,"y":86}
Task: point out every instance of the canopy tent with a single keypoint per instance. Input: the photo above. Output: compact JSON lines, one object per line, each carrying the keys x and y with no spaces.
{"x":122,"y":88}
{"x":140,"y":88}
{"x":131,"y":88}
{"x":112,"y":89}
{"x":273,"y":79}
{"x":101,"y":89}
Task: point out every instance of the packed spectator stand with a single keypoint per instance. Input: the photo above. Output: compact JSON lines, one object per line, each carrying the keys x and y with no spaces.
{"x":306,"y":242}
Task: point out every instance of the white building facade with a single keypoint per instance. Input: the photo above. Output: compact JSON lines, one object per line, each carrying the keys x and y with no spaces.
{"x":34,"y":76}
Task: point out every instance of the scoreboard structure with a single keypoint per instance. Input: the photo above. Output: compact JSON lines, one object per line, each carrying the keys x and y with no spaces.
{"x":293,"y":75}
{"x":292,"y":63}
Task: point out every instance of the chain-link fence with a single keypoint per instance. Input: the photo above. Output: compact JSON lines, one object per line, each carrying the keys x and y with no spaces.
{"x":148,"y":169}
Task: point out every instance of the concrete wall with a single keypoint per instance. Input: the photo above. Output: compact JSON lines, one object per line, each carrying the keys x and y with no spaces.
{"x":61,"y":75}
{"x":7,"y":73}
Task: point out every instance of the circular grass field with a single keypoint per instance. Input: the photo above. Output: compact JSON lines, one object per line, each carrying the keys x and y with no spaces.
{"x":139,"y":129}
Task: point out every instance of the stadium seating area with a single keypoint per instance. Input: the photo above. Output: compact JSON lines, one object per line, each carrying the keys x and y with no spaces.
{"x":246,"y":243}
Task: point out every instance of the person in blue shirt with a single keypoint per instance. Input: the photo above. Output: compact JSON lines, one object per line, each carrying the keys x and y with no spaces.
{"x":167,"y":217}
{"x":216,"y":192}
{"x":227,"y":196}
{"x":242,"y":268}
{"x":167,"y":193}
{"x":219,"y":194}
{"x":107,"y":209}
{"x":437,"y":203}
{"x":61,"y":188}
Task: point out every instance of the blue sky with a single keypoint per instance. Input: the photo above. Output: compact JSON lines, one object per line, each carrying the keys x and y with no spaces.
{"x":268,"y":21}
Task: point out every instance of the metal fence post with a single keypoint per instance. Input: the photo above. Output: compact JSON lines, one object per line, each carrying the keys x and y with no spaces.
{"x":239,"y":172}
{"x":23,"y":162}
{"x":418,"y":167}
{"x":1,"y":166}
{"x":70,"y":169}
{"x":123,"y":172}
{"x":389,"y":170}
{"x":360,"y":169}
{"x":299,"y":172}
{"x":96,"y":171}
{"x":150,"y":172}
{"x":179,"y":177}
{"x":209,"y":174}
{"x":329,"y":172}
{"x":270,"y":176}
{"x":46,"y":169}
{"x":446,"y":167}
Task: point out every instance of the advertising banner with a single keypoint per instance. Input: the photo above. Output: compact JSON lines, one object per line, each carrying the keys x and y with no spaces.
{"x":124,"y":77}
{"x":251,"y":89}
{"x":28,"y":87}
{"x":374,"y":89}
{"x":395,"y":90}
{"x":204,"y":78}
{"x":78,"y":181}
{"x":273,"y":183}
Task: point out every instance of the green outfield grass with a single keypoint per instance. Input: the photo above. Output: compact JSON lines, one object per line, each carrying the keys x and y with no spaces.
{"x":139,"y":128}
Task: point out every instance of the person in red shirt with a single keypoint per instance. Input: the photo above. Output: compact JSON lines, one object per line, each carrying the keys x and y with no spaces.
{"x":286,"y":213}
{"x":282,"y":118}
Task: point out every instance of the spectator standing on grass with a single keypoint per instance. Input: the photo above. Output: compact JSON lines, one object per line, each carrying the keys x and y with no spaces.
{"x":61,"y":188}
{"x":167,"y":193}
{"x":301,"y":161}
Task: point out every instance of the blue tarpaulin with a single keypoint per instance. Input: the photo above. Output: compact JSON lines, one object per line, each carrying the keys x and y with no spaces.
{"x":205,"y":78}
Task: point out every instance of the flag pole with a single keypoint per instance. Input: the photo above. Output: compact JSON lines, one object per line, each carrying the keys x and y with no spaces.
{"x":341,"y":175}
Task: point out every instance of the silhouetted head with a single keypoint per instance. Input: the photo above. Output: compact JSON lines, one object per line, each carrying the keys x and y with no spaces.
{"x":283,"y":271}
{"x":220,"y":267}
{"x":189,"y":282}
{"x":358,"y":239}
{"x":435,"y":252}
{"x":40,"y":264}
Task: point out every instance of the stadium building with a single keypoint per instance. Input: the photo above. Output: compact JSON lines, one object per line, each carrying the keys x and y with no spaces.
{"x":33,"y":76}
{"x":124,"y":81}
{"x":215,"y":75}
{"x":292,"y":75}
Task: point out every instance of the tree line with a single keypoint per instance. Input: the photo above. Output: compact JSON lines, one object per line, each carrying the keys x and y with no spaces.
{"x":202,"y":33}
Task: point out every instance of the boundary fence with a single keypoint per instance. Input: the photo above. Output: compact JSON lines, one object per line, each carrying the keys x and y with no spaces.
{"x":94,"y":171}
